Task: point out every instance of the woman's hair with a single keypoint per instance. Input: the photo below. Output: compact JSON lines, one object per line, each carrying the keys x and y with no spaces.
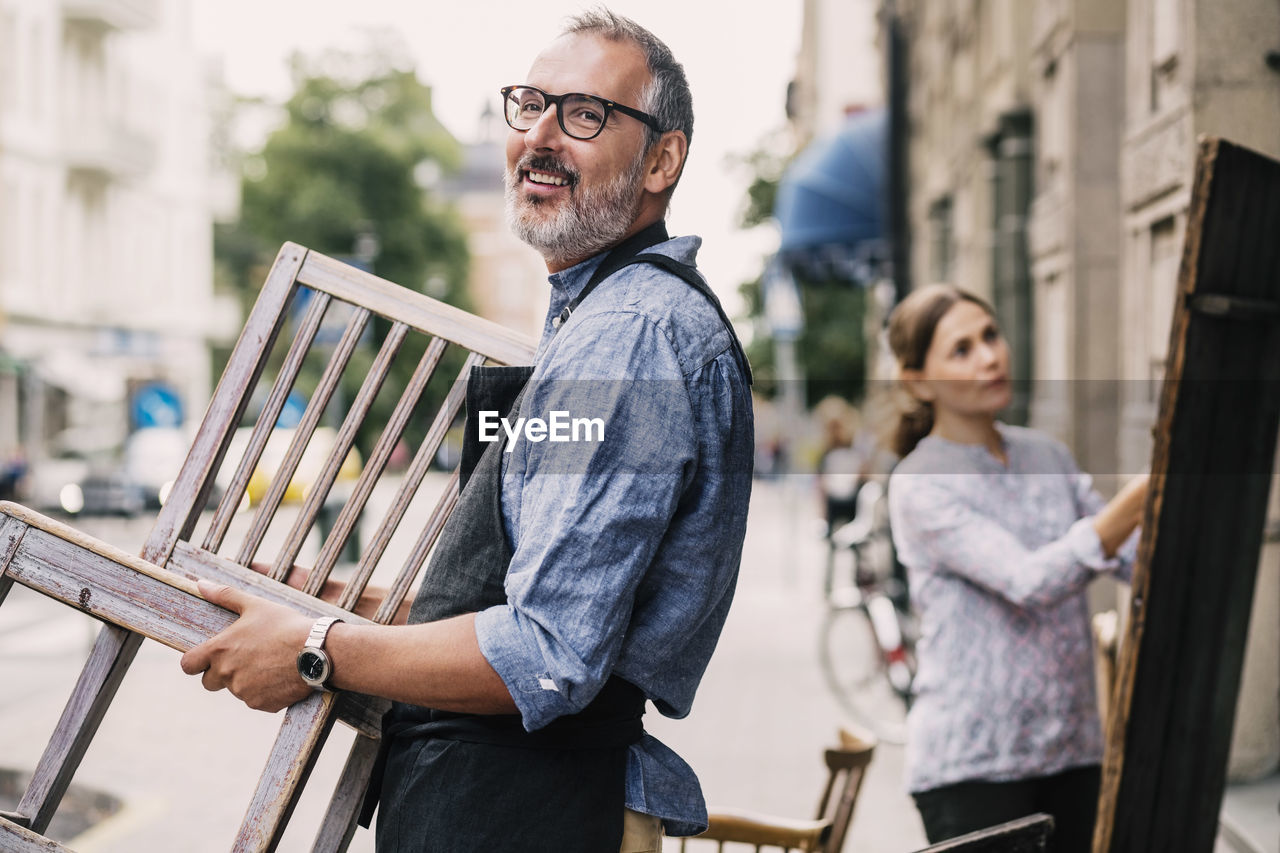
{"x":911,"y":328}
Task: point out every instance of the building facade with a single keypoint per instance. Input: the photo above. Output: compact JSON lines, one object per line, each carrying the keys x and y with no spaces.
{"x":1050,"y":163}
{"x":508,"y":280}
{"x":105,"y":235}
{"x":1050,"y":149}
{"x":1195,"y":68}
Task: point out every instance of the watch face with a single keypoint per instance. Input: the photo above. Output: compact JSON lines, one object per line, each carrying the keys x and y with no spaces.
{"x":313,"y":666}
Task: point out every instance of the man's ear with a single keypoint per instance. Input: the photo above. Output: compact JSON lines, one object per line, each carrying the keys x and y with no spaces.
{"x":665,"y":161}
{"x":914,"y":381}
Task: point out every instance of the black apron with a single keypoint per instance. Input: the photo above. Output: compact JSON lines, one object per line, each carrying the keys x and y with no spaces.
{"x":453,"y":782}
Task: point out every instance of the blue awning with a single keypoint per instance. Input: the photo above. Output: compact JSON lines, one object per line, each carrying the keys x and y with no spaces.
{"x":832,"y":194}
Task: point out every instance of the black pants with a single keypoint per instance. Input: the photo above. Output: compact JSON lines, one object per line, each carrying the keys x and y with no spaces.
{"x":1071,"y":797}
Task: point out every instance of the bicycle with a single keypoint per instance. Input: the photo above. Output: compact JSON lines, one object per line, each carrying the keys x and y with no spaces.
{"x":867,"y":639}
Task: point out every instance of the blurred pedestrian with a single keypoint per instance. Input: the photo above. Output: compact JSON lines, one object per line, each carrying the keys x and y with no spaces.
{"x":842,"y":464}
{"x":1001,"y":534}
{"x":13,"y":471}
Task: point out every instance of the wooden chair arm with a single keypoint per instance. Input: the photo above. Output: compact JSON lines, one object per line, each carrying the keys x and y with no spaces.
{"x":756,"y":828}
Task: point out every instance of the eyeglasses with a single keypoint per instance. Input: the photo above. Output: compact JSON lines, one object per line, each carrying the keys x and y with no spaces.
{"x":581,"y":116}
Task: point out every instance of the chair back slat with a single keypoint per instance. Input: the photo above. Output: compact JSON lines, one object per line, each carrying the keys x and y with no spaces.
{"x":847,"y":766}
{"x":430,"y":532}
{"x":378,"y":458}
{"x":318,"y":492}
{"x":267,"y":418}
{"x":178,"y":517}
{"x":410,"y":482}
{"x":302,"y":437}
{"x":423,"y":313}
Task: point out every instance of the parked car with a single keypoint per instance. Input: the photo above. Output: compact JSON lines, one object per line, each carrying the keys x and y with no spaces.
{"x":309,"y":466}
{"x":71,"y":484}
{"x":153,"y":457}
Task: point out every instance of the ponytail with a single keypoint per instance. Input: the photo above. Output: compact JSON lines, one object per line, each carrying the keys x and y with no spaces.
{"x":915,"y":421}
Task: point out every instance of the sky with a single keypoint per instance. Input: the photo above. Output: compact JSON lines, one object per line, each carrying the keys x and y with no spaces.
{"x":738,"y":57}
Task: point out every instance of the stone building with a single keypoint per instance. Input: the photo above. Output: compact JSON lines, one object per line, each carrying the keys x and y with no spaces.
{"x":105,"y":236}
{"x":1049,"y":148}
{"x":1194,"y":68}
{"x":508,"y":281}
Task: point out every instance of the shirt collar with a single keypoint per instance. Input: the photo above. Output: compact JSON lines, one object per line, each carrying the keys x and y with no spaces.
{"x":565,"y":286}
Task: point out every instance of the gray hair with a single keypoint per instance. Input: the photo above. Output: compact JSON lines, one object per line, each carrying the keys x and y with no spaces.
{"x":666,"y":97}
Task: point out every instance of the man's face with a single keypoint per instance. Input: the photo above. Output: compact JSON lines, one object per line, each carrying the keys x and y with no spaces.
{"x":571,"y":198}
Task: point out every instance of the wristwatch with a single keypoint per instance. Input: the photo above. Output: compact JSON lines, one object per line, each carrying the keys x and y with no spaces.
{"x":314,"y":663}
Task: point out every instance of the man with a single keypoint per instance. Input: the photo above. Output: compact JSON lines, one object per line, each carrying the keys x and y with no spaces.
{"x":573,"y":581}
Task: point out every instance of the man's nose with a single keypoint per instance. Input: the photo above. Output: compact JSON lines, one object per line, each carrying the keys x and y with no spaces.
{"x":545,"y":133}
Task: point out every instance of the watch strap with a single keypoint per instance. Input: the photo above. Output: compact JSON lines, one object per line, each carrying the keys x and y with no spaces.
{"x":320,"y":631}
{"x":315,"y":641}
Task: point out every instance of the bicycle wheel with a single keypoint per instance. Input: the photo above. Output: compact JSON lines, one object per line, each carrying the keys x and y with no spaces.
{"x":857,"y":674}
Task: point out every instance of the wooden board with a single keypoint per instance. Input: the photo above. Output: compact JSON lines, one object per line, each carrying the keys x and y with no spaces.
{"x":1180,"y":663}
{"x":1024,"y":835}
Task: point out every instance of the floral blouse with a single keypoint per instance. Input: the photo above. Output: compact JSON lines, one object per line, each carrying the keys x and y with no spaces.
{"x":998,"y":557}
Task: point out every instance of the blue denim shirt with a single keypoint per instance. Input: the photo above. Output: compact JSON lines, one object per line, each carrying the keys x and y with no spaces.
{"x":626,"y":549}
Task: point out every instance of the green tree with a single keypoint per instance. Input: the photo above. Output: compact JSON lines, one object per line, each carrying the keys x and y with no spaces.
{"x":831,"y":349}
{"x":349,"y":174}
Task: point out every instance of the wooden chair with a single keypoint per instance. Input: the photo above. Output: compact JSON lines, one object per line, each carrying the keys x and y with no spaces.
{"x":846,"y":766}
{"x":1024,"y":835}
{"x":154,"y":595}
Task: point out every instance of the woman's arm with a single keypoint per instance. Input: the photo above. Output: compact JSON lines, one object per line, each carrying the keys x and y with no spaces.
{"x":935,"y":524}
{"x":1122,"y":515}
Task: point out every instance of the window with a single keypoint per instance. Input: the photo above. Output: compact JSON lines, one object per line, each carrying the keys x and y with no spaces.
{"x":1166,"y":40}
{"x":941,"y":238}
{"x":8,"y":61}
{"x":1166,"y":254}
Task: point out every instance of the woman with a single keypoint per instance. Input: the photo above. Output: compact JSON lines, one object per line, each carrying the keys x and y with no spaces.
{"x":1000,"y":533}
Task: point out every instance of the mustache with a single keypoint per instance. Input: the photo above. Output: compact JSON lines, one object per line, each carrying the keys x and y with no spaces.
{"x":547,"y":163}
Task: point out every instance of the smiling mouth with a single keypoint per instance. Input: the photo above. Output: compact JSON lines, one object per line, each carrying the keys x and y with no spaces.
{"x":547,"y":179}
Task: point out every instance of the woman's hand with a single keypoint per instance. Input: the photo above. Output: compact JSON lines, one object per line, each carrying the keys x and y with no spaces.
{"x":1122,"y":514}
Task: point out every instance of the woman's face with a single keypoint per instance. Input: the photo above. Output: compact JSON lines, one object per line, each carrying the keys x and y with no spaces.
{"x":966,"y":371}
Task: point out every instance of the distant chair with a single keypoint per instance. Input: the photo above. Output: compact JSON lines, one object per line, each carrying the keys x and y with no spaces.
{"x":847,"y":765}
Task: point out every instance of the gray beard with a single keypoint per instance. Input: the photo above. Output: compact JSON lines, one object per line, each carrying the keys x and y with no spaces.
{"x":590,"y":220}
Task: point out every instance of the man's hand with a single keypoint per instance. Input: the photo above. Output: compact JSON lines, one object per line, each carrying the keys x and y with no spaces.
{"x":256,"y":656}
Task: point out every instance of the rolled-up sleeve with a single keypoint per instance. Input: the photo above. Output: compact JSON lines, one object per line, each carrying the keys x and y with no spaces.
{"x":1090,"y":503}
{"x":592,"y":513}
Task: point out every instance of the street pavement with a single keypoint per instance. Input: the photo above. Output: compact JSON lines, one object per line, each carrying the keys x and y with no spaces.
{"x":184,"y":762}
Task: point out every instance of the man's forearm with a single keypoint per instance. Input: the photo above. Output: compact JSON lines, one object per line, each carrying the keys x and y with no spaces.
{"x":437,"y":664}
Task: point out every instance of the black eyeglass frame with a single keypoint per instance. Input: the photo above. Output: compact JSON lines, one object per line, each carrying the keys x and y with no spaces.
{"x":556,"y":100}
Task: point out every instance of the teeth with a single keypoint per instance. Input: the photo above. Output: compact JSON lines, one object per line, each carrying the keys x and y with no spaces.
{"x":542,"y":178}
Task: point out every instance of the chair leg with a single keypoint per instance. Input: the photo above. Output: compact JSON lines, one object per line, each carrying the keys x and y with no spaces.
{"x":344,"y":809}
{"x":113,"y":651}
{"x":303,"y":733}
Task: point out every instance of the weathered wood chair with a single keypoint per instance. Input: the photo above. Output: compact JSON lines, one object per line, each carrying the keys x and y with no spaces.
{"x":154,"y":596}
{"x":846,"y":766}
{"x":1024,"y":835}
